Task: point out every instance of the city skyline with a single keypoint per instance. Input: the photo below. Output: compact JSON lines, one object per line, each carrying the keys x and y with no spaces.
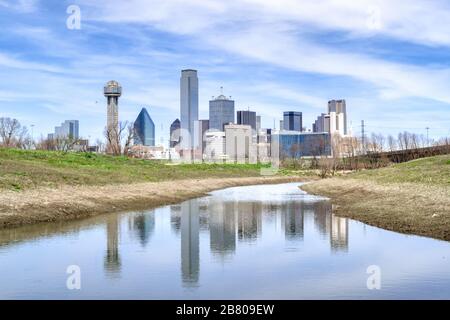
{"x":382,"y":72}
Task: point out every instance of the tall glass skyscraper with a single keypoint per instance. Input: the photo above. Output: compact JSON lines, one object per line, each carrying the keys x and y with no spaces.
{"x":221,"y":112}
{"x":144,"y":129}
{"x":292,"y":121}
{"x":188,"y":105}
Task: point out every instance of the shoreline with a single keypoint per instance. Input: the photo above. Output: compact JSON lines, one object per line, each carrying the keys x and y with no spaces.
{"x":407,"y":208}
{"x":70,"y":203}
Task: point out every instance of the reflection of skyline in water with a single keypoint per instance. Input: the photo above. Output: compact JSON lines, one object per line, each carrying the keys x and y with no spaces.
{"x":227,"y":221}
{"x":222,"y":228}
{"x":143,"y":225}
{"x":112,"y":257}
{"x":190,"y":242}
{"x":184,"y":251}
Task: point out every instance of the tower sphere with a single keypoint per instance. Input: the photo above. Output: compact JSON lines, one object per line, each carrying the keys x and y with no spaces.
{"x":113,"y":88}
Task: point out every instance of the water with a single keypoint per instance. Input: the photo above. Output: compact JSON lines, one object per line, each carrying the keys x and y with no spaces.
{"x":257,"y":242}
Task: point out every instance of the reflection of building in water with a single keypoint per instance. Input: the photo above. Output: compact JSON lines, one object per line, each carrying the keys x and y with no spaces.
{"x":322,"y":218}
{"x":143,"y":224}
{"x":222,"y":228}
{"x":190,"y":251}
{"x":249,"y":220}
{"x":339,"y":233}
{"x":112,"y":258}
{"x":292,"y":213}
{"x":175,"y":218}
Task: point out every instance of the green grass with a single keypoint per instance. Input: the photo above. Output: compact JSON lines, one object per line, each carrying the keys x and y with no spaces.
{"x":25,"y":169}
{"x":430,"y":171}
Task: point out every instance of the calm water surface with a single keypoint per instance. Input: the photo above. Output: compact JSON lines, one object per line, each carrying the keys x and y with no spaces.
{"x":257,"y":242}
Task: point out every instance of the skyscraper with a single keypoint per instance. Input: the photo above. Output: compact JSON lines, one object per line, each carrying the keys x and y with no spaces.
{"x":337,"y":110}
{"x":144,"y":129}
{"x":247,"y":117}
{"x":221,"y":112}
{"x":188,"y":105}
{"x":175,"y":133}
{"x":292,"y":121}
{"x":67,"y":129}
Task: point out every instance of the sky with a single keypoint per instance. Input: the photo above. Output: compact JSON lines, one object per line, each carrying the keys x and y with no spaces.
{"x":390,"y":60}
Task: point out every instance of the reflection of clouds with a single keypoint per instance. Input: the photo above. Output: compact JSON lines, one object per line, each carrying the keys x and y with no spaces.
{"x":190,"y":250}
{"x":112,"y":257}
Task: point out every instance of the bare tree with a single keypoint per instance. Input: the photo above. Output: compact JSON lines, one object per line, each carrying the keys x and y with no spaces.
{"x":12,"y":133}
{"x":114,"y":137}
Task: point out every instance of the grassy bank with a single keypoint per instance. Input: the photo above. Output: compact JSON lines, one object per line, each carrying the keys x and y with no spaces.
{"x":23,"y":170}
{"x":43,"y":186}
{"x":412,"y":197}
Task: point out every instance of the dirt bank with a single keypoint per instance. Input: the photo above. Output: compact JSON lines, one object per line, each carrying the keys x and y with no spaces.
{"x":410,"y":208}
{"x":69,"y":202}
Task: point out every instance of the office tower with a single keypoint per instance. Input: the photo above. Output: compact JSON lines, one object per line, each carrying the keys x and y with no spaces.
{"x":292,"y":121}
{"x":175,"y":133}
{"x":337,"y":110}
{"x":200,"y":128}
{"x":281,"y":125}
{"x":294,"y":145}
{"x":144,"y":129}
{"x":247,"y":118}
{"x":258,"y":123}
{"x":188,"y":105}
{"x":238,"y":143}
{"x":221,"y":112}
{"x":69,"y":129}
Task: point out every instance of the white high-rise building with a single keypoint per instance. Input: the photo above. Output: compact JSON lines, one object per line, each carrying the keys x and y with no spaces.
{"x":337,"y":110}
{"x":239,"y":145}
{"x":188,"y":106}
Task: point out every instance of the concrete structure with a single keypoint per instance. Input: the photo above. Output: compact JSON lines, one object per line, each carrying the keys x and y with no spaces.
{"x":247,"y":118}
{"x":214,"y":146}
{"x":200,"y":128}
{"x":112,"y":92}
{"x":175,"y":133}
{"x":322,"y":124}
{"x":337,"y":110}
{"x":69,"y":129}
{"x":239,"y":146}
{"x":188,"y":106}
{"x":221,"y":112}
{"x":263,"y":145}
{"x":144,"y":129}
{"x":294,"y":145}
{"x":292,"y":121}
{"x":258,"y":123}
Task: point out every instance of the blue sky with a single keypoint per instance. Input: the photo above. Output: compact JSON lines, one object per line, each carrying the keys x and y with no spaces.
{"x":389,"y":59}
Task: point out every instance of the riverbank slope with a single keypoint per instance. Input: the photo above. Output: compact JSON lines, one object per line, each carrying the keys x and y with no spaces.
{"x":44,"y":186}
{"x":412,"y":197}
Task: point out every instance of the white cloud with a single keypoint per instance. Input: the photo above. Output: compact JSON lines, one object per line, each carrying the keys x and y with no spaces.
{"x":25,"y":6}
